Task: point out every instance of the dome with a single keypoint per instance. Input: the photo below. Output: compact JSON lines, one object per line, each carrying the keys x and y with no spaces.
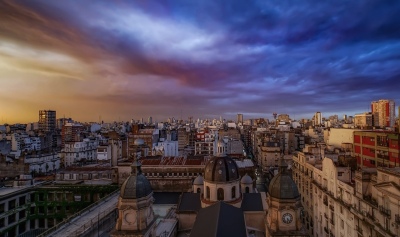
{"x":198,"y":180}
{"x":246,"y":179}
{"x":221,"y":169}
{"x":138,"y":142}
{"x":282,"y":185}
{"x":136,"y":185}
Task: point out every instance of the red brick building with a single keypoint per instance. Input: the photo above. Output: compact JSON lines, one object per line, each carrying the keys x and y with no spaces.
{"x":376,"y":148}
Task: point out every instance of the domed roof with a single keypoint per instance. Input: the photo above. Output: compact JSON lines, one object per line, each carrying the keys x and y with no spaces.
{"x":221,"y":169}
{"x":136,"y":185}
{"x":282,"y":185}
{"x":246,"y":179}
{"x":138,"y":142}
{"x":198,"y":180}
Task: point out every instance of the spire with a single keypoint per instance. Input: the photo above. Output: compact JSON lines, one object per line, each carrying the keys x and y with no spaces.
{"x":282,"y":165}
{"x":136,"y":167}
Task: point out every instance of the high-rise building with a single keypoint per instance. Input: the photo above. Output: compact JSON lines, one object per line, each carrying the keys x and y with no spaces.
{"x":385,"y":111}
{"x":318,"y":119}
{"x":47,"y":120}
{"x":240,"y":118}
{"x":71,"y":132}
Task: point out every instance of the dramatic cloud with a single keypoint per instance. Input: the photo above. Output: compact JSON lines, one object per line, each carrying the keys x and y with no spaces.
{"x":132,"y":59}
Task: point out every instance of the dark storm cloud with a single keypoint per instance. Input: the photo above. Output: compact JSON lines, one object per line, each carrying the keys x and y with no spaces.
{"x":300,"y":56}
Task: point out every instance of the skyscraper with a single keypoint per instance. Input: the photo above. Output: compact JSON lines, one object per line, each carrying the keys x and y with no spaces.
{"x":385,"y":111}
{"x":318,"y":119}
{"x":47,"y":120}
{"x":240,"y":118}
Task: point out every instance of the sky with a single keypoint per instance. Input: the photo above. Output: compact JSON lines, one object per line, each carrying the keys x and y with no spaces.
{"x":122,"y":60}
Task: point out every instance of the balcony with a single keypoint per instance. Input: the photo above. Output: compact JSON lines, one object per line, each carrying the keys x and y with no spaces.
{"x":370,"y":200}
{"x":397,"y":218}
{"x":384,"y":211}
{"x":359,"y":230}
{"x":325,"y":202}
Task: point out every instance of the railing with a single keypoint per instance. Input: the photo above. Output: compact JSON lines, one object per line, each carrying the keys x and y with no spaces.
{"x":384,"y":211}
{"x":61,"y":224}
{"x":359,"y":229}
{"x":370,"y":200}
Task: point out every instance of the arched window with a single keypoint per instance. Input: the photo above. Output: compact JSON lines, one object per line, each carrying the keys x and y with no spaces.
{"x":234,"y":192}
{"x":220,"y":194}
{"x":198,"y":190}
{"x":208,"y":192}
{"x":247,"y":189}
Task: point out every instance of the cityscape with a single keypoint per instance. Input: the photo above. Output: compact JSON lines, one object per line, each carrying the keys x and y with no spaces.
{"x":199,"y":118}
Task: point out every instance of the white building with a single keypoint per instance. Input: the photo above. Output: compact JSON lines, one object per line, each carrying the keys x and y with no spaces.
{"x":75,"y":152}
{"x":338,"y":203}
{"x":43,"y":163}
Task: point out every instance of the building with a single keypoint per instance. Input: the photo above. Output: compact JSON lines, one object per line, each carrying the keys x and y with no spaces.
{"x":79,"y":152}
{"x":376,"y":148}
{"x":318,"y":119}
{"x":284,"y":206}
{"x":340,"y":202}
{"x":385,"y":109}
{"x":364,"y":120}
{"x":240,"y":119}
{"x":72,"y":132}
{"x":47,"y":120}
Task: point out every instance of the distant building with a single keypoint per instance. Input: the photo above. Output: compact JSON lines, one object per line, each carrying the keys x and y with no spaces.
{"x":386,"y":112}
{"x":71,"y":132}
{"x":318,"y":119}
{"x":240,"y":118}
{"x":363,"y":120}
{"x":47,"y":120}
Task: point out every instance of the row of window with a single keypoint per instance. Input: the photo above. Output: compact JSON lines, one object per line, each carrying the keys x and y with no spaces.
{"x":171,"y":174}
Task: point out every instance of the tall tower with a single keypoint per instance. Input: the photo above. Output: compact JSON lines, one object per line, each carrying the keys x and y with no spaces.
{"x":284,"y":206}
{"x":135,"y":206}
{"x":47,"y":120}
{"x":318,"y":119}
{"x":384,"y":110}
{"x":240,"y":118}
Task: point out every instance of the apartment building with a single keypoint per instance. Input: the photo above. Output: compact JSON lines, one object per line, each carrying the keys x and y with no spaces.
{"x":47,"y":120}
{"x":339,"y":202}
{"x":385,"y":111}
{"x":376,"y":148}
{"x":74,"y":152}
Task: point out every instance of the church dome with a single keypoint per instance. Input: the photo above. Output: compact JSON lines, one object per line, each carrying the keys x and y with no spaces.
{"x":198,"y":180}
{"x":136,"y":185}
{"x":221,"y":169}
{"x":282,"y":185}
{"x":139,"y":142}
{"x":246,"y":179}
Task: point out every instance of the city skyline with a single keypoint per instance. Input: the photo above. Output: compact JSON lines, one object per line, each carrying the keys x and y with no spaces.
{"x":123,"y":59}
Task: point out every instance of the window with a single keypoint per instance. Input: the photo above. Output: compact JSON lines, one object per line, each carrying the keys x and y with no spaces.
{"x":220,"y":194}
{"x":208,"y":192}
{"x":198,"y":190}
{"x":247,"y":190}
{"x":234,"y":192}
